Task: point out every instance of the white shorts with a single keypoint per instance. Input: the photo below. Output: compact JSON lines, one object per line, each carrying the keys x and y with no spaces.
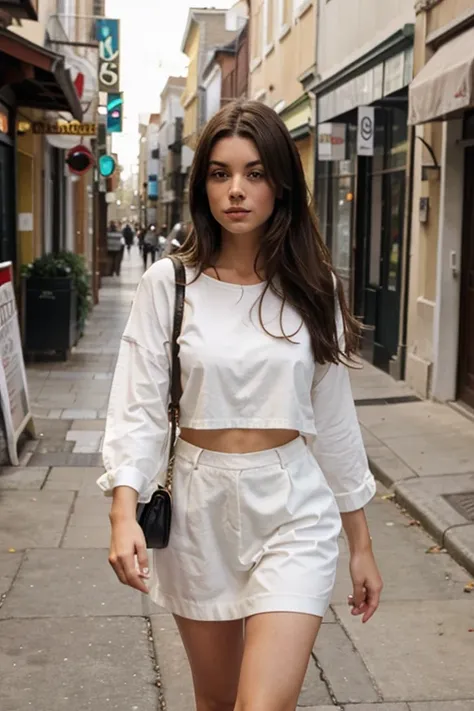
{"x":250,"y":533}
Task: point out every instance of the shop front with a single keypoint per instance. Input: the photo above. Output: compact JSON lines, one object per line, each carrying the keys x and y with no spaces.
{"x":442,"y":109}
{"x":299,"y":120}
{"x":7,"y":181}
{"x":361,"y":188}
{"x":32,"y":80}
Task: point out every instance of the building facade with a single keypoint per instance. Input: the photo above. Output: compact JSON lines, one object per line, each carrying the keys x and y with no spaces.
{"x":282,"y":55}
{"x":175,"y":158}
{"x":205,"y":30}
{"x":363,"y":161}
{"x":440,"y":360}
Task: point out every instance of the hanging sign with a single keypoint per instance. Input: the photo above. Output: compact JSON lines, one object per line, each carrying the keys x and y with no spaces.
{"x":107,"y":35}
{"x":13,"y":385}
{"x":64,"y":128}
{"x":331,"y":141}
{"x":365,"y":131}
{"x":79,"y":159}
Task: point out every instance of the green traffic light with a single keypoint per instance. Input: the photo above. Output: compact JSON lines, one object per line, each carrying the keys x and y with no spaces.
{"x":106,"y":166}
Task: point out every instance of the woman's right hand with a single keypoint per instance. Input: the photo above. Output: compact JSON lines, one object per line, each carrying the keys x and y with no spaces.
{"x":128,"y":542}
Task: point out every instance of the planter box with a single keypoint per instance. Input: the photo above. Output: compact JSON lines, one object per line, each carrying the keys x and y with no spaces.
{"x":50,"y":315}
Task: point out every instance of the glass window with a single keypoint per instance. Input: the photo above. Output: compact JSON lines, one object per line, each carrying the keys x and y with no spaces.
{"x":397,"y":136}
{"x":375,"y":231}
{"x":342,"y":206}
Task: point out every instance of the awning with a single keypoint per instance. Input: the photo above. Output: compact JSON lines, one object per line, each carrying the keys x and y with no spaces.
{"x":444,"y":88}
{"x":37,"y":76}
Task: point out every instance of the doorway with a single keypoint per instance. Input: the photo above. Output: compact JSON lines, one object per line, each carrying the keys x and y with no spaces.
{"x":466,"y":328}
{"x":7,"y":220}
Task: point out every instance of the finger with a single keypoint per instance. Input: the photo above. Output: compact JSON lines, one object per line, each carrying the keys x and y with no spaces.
{"x":118,"y":570}
{"x":142,"y":560}
{"x":131,"y":574}
{"x":373,"y":601}
{"x":359,"y":594}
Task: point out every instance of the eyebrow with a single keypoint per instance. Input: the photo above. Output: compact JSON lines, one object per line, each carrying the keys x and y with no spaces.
{"x":225,"y":165}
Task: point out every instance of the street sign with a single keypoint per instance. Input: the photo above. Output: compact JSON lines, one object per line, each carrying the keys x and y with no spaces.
{"x":365,"y":131}
{"x":79,"y":159}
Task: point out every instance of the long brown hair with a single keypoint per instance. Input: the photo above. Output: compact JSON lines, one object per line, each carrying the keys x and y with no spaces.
{"x":297,"y":263}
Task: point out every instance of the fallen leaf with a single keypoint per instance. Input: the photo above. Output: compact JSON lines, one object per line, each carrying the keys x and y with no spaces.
{"x":12,"y":550}
{"x":436,"y":549}
{"x":469,"y":587}
{"x":413,"y":523}
{"x":387,"y":497}
{"x":471,"y":629}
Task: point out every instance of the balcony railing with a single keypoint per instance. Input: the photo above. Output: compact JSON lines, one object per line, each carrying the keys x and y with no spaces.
{"x":23,"y":9}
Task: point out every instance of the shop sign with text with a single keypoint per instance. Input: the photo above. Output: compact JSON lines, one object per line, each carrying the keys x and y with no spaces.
{"x":64,"y":128}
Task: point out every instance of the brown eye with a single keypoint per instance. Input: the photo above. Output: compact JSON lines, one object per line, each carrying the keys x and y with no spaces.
{"x":256,"y":175}
{"x":218,"y":174}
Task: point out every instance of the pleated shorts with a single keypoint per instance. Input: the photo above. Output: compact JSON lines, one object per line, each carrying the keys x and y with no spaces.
{"x":250,"y":533}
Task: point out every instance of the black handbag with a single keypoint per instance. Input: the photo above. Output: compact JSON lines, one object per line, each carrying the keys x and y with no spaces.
{"x":155,"y":516}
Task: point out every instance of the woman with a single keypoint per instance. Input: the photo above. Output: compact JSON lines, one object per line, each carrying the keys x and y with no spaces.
{"x":270,"y":456}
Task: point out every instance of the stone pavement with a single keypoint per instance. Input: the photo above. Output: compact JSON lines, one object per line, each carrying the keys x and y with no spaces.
{"x":71,"y":637}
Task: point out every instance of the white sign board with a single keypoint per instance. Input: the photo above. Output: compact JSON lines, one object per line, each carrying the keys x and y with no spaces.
{"x":13,"y":385}
{"x":365,"y":131}
{"x":331,"y":141}
{"x":25,"y":222}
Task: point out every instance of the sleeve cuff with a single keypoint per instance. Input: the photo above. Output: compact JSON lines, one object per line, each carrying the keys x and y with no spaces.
{"x":127,"y":476}
{"x":360,"y":497}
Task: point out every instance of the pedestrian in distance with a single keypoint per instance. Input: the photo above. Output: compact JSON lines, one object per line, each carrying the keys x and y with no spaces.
{"x":269,"y":463}
{"x":128,"y":235}
{"x":150,"y":245}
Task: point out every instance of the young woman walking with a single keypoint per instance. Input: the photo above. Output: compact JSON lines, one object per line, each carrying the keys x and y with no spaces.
{"x":270,"y":457}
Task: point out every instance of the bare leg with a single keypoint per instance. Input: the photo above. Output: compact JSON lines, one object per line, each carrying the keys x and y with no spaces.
{"x":214,"y":651}
{"x":277,"y":651}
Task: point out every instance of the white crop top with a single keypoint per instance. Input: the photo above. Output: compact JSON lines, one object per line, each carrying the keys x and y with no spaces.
{"x":234,"y":375}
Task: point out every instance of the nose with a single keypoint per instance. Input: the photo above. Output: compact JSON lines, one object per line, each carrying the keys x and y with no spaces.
{"x":236,"y":190}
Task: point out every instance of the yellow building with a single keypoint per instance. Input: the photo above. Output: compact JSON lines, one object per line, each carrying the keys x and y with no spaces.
{"x":440,"y":339}
{"x":282,"y":58}
{"x":205,"y":30}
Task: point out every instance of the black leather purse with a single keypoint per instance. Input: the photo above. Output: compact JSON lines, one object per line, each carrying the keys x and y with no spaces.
{"x":155,"y":516}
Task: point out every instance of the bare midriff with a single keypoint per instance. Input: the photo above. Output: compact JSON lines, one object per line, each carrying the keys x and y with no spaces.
{"x":236,"y":441}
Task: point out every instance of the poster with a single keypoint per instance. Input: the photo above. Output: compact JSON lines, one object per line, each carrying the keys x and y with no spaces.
{"x":13,"y":384}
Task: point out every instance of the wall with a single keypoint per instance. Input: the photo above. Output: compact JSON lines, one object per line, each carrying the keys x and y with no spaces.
{"x":213,"y":92}
{"x":358,"y":25}
{"x":432,"y":338}
{"x":281,"y":49}
{"x":189,"y":97}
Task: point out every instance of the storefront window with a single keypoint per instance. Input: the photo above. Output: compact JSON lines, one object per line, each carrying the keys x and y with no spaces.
{"x":397,"y":138}
{"x":342,"y":205}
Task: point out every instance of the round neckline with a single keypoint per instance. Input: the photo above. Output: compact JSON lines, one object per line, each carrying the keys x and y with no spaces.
{"x":231,"y":285}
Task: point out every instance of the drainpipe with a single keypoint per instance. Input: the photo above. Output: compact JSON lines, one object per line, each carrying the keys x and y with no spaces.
{"x":406,"y":290}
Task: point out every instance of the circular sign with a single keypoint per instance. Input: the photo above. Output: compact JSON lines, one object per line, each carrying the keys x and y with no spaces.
{"x":106,"y":166}
{"x":79,"y":159}
{"x":366,"y":128}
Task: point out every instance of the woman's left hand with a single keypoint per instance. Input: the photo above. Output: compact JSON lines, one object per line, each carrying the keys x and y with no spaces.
{"x":367,"y":584}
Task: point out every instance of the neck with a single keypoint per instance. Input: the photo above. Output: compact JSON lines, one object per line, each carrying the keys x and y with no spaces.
{"x":238,"y":252}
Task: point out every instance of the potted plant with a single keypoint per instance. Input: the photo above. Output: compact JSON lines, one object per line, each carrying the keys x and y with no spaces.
{"x":57,"y":299}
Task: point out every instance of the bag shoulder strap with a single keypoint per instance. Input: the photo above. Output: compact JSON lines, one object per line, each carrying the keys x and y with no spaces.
{"x":175,"y":380}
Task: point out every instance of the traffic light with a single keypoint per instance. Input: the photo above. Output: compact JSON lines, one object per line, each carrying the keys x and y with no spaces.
{"x":114,"y":112}
{"x":106,"y":165}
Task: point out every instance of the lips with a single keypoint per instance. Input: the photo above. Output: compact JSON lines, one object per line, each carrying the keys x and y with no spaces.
{"x":236,"y":211}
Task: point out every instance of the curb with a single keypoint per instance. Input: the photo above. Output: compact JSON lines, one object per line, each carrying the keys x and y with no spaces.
{"x":445,"y":537}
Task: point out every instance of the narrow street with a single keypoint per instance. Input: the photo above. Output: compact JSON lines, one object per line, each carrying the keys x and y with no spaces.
{"x":74,"y":638}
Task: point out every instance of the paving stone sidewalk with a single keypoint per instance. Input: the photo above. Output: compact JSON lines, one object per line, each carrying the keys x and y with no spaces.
{"x":71,"y":637}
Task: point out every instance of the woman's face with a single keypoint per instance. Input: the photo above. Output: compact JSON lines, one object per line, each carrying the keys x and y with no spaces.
{"x":240,"y":196}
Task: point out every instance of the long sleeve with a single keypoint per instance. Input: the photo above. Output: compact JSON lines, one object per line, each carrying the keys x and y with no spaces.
{"x":338,"y":446}
{"x":136,"y":433}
